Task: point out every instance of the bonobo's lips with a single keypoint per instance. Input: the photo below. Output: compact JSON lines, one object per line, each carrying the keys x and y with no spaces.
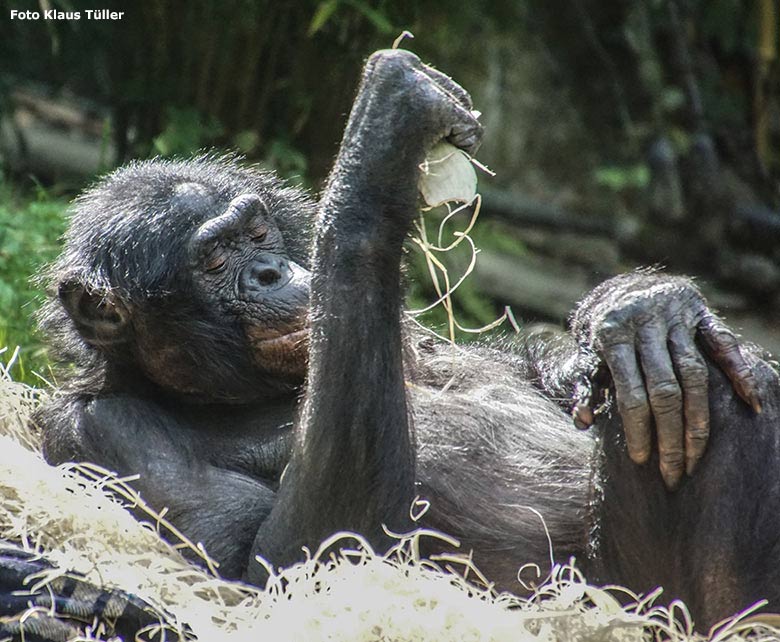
{"x":284,"y":354}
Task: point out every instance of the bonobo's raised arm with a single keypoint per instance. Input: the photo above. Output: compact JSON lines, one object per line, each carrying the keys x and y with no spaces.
{"x":650,"y":333}
{"x":354,"y":434}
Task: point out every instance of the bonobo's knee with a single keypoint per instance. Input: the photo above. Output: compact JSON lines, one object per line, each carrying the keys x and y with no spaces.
{"x":709,"y":542}
{"x":651,"y":332}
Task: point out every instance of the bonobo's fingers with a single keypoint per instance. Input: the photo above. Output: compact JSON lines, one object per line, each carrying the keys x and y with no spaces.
{"x":466,"y":136}
{"x":692,"y":371}
{"x":466,"y":132}
{"x":666,"y":399}
{"x":724,"y":349}
{"x":450,"y":86}
{"x":434,"y":106}
{"x":669,"y":323}
{"x":631,"y":398}
{"x":583,"y":416}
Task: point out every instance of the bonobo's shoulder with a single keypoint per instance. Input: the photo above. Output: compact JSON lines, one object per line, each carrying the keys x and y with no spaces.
{"x":60,"y":426}
{"x":516,"y":355}
{"x":71,"y":425}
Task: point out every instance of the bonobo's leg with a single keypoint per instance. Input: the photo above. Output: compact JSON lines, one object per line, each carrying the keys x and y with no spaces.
{"x":353,"y":461}
{"x":715,"y":542}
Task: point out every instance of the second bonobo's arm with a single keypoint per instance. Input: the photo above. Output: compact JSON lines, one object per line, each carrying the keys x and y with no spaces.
{"x":650,"y":333}
{"x":353,"y":462}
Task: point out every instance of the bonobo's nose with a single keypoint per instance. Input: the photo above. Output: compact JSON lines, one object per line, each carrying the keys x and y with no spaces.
{"x":265,"y":273}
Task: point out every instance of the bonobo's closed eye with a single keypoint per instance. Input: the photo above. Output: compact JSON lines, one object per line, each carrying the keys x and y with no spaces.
{"x":258,"y":231}
{"x":213,"y":237}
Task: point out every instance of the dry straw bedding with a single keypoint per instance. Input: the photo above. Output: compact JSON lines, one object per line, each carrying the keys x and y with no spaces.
{"x":76,"y":517}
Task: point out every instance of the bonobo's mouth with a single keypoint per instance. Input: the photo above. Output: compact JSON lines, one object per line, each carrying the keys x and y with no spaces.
{"x":284,"y":354}
{"x":286,"y":339}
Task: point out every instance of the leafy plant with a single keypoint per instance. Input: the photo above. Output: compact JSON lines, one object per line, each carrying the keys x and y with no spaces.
{"x":618,"y":178}
{"x":326,"y":10}
{"x":29,"y":231}
{"x":287,"y":160}
{"x":186,"y":132}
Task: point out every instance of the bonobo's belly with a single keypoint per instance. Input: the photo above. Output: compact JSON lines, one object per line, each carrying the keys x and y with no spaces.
{"x":506,"y":473}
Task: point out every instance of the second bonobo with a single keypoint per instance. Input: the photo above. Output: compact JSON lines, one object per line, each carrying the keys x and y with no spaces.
{"x":188,"y":297}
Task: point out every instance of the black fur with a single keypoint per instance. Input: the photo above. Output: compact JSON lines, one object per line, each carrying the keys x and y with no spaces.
{"x":173,"y":384}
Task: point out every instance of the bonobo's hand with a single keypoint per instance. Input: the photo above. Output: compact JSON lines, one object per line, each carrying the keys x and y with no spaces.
{"x":402,"y":109}
{"x":432,"y":104}
{"x":643,"y":326}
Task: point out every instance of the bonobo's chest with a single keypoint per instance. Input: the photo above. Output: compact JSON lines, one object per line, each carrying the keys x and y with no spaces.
{"x":155,"y":438}
{"x":253,"y":439}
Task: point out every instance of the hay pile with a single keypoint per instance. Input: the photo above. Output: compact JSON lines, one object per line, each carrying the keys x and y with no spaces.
{"x":74,"y":517}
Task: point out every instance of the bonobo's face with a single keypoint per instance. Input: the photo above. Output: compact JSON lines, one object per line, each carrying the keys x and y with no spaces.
{"x":180,"y":272}
{"x":239,"y":262}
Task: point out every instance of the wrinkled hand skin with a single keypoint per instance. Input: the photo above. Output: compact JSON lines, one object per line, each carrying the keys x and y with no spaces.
{"x":651,"y":335}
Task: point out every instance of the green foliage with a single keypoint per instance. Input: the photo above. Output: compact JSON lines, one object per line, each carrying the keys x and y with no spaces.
{"x":29,"y":232}
{"x":186,"y":132}
{"x":246,"y":141}
{"x":323,"y":13}
{"x":287,"y":160}
{"x":326,"y":10}
{"x":725,"y":105}
{"x":671,"y":99}
{"x":618,"y":178}
{"x":719,"y":22}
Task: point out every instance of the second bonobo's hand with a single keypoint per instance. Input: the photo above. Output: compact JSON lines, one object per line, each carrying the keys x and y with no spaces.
{"x":643,"y":327}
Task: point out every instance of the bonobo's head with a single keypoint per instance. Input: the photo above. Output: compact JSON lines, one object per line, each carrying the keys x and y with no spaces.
{"x":190,"y":274}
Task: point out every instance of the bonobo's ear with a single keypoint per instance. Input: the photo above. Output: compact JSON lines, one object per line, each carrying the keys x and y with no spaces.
{"x":100,"y":317}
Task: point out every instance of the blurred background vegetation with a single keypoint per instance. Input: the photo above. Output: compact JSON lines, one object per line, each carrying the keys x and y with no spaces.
{"x":622,"y":132}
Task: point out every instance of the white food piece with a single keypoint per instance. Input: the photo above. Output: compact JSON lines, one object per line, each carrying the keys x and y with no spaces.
{"x":447,"y":176}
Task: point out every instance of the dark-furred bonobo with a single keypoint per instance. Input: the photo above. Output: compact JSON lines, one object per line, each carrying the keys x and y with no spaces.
{"x":187,"y":296}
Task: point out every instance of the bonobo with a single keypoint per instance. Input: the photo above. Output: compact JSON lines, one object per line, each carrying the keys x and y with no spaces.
{"x":215,"y":353}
